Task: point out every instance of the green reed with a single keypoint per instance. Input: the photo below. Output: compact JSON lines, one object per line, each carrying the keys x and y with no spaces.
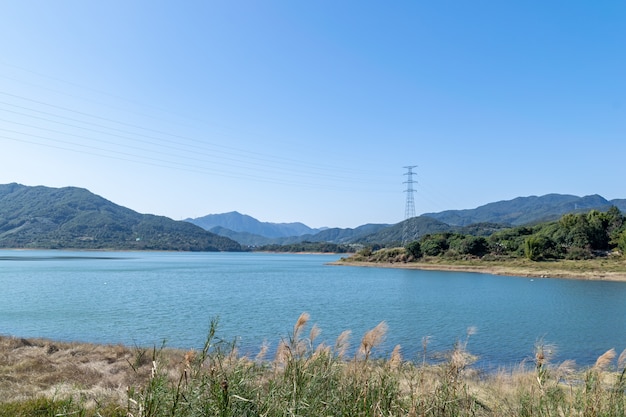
{"x":307,"y":378}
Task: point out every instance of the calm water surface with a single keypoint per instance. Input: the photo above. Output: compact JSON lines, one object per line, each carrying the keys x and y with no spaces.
{"x":145,"y":298}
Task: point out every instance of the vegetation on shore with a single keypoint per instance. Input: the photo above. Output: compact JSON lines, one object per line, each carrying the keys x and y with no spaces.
{"x":304,"y":378}
{"x":578,"y":245}
{"x":311,"y":247}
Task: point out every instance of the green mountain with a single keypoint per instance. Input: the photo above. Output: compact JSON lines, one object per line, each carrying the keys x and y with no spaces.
{"x":242,"y":223}
{"x":333,"y":235}
{"x":345,"y":236}
{"x":74,"y":218}
{"x":481,"y":221}
{"x":526,"y":210}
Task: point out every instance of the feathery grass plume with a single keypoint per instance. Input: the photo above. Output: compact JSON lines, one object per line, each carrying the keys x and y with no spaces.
{"x":262,"y":352}
{"x":565,"y":369}
{"x":425,"y":342}
{"x":314,"y":333}
{"x":190,"y":355}
{"x":282,"y":353}
{"x":603,"y":362}
{"x":372,"y":338}
{"x":543,"y":353}
{"x":322,"y":350}
{"x":396,"y":357}
{"x":300,"y":348}
{"x":621,"y":361}
{"x":302,"y":321}
{"x":342,"y":343}
{"x":459,"y":358}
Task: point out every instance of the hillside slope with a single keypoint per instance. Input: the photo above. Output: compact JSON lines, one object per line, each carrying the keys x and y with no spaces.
{"x":525,"y":210}
{"x":242,"y":223}
{"x":74,"y":218}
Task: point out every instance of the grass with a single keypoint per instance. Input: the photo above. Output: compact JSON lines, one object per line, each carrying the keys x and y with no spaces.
{"x":304,"y":378}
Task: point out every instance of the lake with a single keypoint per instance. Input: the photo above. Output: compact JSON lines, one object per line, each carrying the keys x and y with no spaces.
{"x":145,"y":298}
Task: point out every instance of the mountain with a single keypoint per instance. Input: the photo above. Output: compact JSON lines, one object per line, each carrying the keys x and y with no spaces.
{"x":480,"y":221}
{"x":337,"y":235}
{"x":422,"y":225}
{"x":417,"y":226}
{"x":238,"y":222}
{"x":620,"y":203}
{"x":74,"y":218}
{"x":526,"y":210}
{"x":334,"y":235}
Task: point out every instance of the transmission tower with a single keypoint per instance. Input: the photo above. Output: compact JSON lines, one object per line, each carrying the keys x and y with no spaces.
{"x":409,"y":211}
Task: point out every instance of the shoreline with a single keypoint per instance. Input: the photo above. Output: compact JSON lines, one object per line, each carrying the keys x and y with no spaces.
{"x":525,"y":271}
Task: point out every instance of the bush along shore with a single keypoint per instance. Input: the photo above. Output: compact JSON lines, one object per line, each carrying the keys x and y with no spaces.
{"x":304,"y":378}
{"x":609,"y":268}
{"x":579,"y":245}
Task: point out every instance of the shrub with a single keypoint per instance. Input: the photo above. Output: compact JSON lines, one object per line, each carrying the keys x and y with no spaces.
{"x":414,"y":249}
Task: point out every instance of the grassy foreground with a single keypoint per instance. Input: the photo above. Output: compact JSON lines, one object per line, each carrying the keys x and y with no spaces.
{"x":305,"y":378}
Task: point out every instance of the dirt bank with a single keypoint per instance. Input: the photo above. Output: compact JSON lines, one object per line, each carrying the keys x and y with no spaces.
{"x":538,"y":270}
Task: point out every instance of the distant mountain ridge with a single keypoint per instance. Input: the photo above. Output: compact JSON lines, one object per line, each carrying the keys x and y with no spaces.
{"x":526,"y":210}
{"x":238,"y":222}
{"x":74,"y":218}
{"x":480,"y":221}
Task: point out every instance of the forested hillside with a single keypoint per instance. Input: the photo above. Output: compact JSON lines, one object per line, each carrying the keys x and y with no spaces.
{"x":74,"y":218}
{"x":242,"y":223}
{"x":574,"y":236}
{"x":526,"y":210}
{"x":481,"y":221}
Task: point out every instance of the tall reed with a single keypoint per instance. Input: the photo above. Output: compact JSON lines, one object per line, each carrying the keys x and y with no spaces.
{"x":310,"y":378}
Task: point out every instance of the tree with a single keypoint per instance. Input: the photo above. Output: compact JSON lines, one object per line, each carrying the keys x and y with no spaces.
{"x":510,"y":241}
{"x":414,"y":249}
{"x":621,"y":242}
{"x":474,"y":245}
{"x":538,"y":247}
{"x":434,"y":245}
{"x":597,"y":224}
{"x":616,"y":224}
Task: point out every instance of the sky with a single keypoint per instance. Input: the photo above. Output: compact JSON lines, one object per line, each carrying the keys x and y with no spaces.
{"x":309,"y":111}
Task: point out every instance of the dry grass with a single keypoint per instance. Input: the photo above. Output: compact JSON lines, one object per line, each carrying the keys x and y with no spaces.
{"x":604,"y":269}
{"x":30,"y":368}
{"x":303,"y":379}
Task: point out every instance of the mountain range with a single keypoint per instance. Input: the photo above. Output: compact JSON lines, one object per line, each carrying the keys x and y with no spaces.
{"x":75,"y":218}
{"x":527,"y":210}
{"x":482,"y":220}
{"x":243,"y":223}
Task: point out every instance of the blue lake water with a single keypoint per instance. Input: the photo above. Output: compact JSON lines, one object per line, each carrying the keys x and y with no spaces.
{"x":144,"y":298}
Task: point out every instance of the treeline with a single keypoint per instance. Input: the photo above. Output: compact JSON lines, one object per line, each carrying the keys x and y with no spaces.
{"x":319,"y":247}
{"x":574,"y":236}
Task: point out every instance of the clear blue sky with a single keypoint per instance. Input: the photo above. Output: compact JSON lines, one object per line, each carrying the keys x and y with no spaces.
{"x":309,"y":110}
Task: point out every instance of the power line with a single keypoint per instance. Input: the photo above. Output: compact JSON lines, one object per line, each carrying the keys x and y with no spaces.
{"x":175,"y":144}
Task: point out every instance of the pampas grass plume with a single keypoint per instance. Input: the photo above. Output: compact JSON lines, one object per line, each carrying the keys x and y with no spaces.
{"x":314,"y":333}
{"x":396,"y":357}
{"x":373,"y":338}
{"x":621,"y":361}
{"x":605,"y":360}
{"x":302,"y":321}
{"x":342,"y":343}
